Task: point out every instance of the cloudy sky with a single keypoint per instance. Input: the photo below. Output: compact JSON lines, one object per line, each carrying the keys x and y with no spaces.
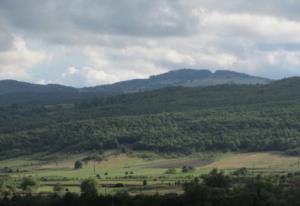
{"x":92,"y":42}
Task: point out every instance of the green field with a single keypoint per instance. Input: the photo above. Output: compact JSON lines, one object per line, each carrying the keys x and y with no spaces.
{"x":131,"y":170}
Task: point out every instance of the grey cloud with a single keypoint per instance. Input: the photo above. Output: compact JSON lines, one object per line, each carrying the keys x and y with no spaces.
{"x":137,"y":18}
{"x":29,"y":15}
{"x":84,"y":21}
{"x":284,"y":46}
{"x":6,"y":40}
{"x":281,"y":8}
{"x":63,"y":21}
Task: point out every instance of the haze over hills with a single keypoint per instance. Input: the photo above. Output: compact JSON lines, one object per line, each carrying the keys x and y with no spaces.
{"x":12,"y":91}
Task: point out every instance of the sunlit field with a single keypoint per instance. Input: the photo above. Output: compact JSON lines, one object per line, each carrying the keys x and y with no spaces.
{"x":127,"y":172}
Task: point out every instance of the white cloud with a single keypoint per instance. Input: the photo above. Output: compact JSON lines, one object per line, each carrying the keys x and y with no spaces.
{"x":126,"y":63}
{"x":86,"y":75}
{"x":15,"y":62}
{"x":70,"y":72}
{"x":255,"y":27}
{"x":96,"y":77}
{"x":284,"y":58}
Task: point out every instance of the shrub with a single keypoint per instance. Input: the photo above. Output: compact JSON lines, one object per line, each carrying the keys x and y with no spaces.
{"x":58,"y":188}
{"x":119,"y":185}
{"x":171,"y":171}
{"x":186,"y":169}
{"x":241,"y":172}
{"x":145,"y":182}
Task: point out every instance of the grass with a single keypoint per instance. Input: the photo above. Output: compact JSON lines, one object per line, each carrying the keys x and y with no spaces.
{"x":149,"y":167}
{"x":264,"y":161}
{"x":20,"y":162}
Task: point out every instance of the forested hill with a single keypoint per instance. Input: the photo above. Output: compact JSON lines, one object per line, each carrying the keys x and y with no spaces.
{"x":181,"y":77}
{"x":14,"y":92}
{"x":178,"y":119}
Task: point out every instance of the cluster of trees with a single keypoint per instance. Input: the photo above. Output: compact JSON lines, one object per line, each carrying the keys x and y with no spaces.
{"x":181,"y":120}
{"x":240,"y":188}
{"x":9,"y":187}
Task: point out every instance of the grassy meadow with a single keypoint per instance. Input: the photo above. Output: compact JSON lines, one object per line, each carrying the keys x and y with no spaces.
{"x":128,"y":171}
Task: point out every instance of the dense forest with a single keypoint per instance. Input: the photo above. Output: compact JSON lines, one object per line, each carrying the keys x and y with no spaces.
{"x":177,"y":119}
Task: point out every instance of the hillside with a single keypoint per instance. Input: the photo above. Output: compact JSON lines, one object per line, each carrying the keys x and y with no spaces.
{"x":179,"y":119}
{"x":15,"y":92}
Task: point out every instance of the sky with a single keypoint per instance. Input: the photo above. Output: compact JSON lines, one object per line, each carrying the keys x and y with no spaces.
{"x":93,"y":42}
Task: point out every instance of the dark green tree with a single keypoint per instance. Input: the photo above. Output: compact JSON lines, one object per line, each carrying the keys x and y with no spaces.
{"x":77,"y":164}
{"x":88,"y":187}
{"x":29,"y":184}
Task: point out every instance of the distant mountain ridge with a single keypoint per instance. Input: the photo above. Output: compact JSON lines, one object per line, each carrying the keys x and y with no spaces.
{"x":182,"y":77}
{"x":13,"y":86}
{"x":12,"y":91}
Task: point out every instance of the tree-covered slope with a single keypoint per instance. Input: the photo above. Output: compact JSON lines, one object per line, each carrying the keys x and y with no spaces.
{"x":226,"y":117}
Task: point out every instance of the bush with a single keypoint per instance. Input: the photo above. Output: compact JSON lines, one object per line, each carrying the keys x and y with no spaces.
{"x":186,"y":169}
{"x":145,"y":182}
{"x":119,"y":185}
{"x":241,"y":172}
{"x":171,"y":171}
{"x":58,"y":188}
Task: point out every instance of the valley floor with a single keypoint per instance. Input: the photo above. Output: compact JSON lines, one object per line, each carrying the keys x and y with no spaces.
{"x":127,"y":172}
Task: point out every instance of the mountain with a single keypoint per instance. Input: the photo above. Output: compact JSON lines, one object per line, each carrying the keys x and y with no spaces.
{"x":12,"y":86}
{"x":182,"y":77}
{"x":16,"y":92}
{"x":25,"y":93}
